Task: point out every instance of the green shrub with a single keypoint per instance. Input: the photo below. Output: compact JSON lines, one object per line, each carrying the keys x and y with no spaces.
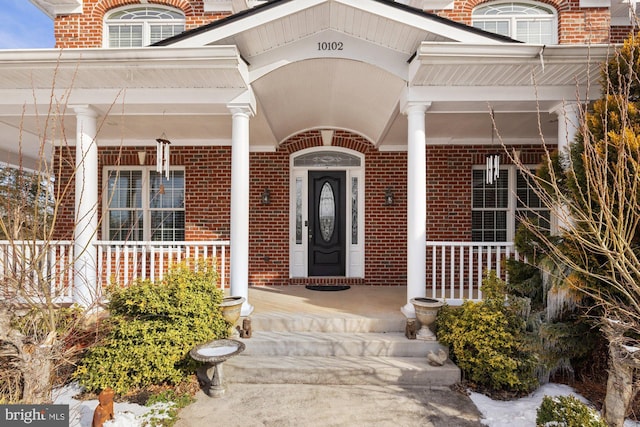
{"x":487,"y":340}
{"x":153,"y":326}
{"x":567,"y":411}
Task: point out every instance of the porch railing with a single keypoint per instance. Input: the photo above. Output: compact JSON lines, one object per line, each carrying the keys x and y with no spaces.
{"x":124,"y":262}
{"x":37,"y":270}
{"x":455,"y":269}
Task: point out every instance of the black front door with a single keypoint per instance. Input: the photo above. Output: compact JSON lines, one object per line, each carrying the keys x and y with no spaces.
{"x":327,"y":204}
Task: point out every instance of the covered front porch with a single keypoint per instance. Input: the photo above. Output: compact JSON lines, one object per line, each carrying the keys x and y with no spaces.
{"x":240,"y":110}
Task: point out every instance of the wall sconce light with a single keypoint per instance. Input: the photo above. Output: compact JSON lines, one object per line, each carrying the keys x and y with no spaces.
{"x":388,"y":196}
{"x":265,"y":198}
{"x":142,"y":157}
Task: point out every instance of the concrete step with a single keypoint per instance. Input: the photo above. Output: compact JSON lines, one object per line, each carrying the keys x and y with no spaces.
{"x":363,"y":370}
{"x":330,"y":322}
{"x":336,"y":348}
{"x":325,"y":344}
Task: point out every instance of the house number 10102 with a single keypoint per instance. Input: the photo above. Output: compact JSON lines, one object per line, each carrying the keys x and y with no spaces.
{"x":330,"y":45}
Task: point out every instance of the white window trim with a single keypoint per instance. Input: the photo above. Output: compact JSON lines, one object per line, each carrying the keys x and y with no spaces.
{"x":146,"y":33}
{"x":146,"y":209}
{"x":512,"y":198}
{"x":514,"y":18}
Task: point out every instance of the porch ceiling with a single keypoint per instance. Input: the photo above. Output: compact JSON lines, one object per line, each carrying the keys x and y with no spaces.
{"x":329,"y":93}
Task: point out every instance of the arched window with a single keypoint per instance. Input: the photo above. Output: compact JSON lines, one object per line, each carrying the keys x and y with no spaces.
{"x":527,"y":22}
{"x":141,"y":26}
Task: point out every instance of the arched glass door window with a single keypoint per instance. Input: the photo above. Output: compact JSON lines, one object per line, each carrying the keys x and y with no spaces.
{"x":527,"y":22}
{"x":141,"y":26}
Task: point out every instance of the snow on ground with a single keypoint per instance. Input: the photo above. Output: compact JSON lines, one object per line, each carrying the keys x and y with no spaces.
{"x":522,"y":412}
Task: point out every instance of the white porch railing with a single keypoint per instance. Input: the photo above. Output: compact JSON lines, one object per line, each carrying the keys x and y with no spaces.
{"x":455,"y":269}
{"x":38,"y":270}
{"x":124,"y":262}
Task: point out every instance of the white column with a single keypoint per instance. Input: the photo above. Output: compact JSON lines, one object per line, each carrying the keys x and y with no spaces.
{"x":239,"y":275}
{"x":416,"y":204}
{"x":85,"y":291}
{"x":568,"y":124}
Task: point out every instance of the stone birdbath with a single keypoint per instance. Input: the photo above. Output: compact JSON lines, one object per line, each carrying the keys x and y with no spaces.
{"x":212,"y":354}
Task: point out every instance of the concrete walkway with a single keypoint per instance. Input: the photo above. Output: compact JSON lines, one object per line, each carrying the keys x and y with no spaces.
{"x":300,"y":405}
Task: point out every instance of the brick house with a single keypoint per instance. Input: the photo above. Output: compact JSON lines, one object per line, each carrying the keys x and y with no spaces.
{"x":311,"y":141}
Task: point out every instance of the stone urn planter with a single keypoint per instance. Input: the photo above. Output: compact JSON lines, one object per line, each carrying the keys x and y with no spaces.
{"x":231,"y":307}
{"x":426,"y":312}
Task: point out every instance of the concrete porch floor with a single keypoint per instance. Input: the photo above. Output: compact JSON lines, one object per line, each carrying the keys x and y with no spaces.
{"x":359,"y":300}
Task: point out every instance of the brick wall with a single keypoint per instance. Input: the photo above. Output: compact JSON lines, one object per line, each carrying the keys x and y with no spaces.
{"x":85,"y":30}
{"x":575,"y":24}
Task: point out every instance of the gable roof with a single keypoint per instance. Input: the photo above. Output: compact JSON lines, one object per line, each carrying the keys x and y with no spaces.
{"x":284,"y":21}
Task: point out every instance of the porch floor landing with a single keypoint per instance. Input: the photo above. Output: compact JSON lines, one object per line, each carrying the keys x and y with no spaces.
{"x":359,"y":300}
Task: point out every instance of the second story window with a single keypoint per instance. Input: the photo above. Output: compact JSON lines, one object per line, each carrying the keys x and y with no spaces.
{"x":527,"y":22}
{"x":141,"y":26}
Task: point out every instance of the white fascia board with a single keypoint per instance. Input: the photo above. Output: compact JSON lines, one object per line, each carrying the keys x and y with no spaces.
{"x":51,"y":8}
{"x":212,"y":55}
{"x":423,"y":23}
{"x":595,"y":3}
{"x":428,"y":4}
{"x":176,"y":101}
{"x":228,"y":5}
{"x":232,"y":28}
{"x":208,"y":57}
{"x":458,"y":53}
{"x":217,"y":6}
{"x":493,"y":93}
{"x":472,"y":52}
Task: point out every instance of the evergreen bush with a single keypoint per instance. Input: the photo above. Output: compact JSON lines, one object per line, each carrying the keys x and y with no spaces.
{"x":153,"y":326}
{"x":567,"y":411}
{"x":487,"y":340}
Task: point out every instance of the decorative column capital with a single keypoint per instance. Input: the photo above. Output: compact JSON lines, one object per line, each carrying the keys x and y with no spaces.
{"x":244,"y":104}
{"x":84,"y":110}
{"x":410,"y":107}
{"x":566,"y":108}
{"x":412,"y":103}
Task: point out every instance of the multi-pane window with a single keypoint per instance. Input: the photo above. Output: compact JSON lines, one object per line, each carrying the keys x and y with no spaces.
{"x":141,"y":26}
{"x":144,"y":205}
{"x":527,"y":22}
{"x":498,"y":208}
{"x":490,"y":205}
